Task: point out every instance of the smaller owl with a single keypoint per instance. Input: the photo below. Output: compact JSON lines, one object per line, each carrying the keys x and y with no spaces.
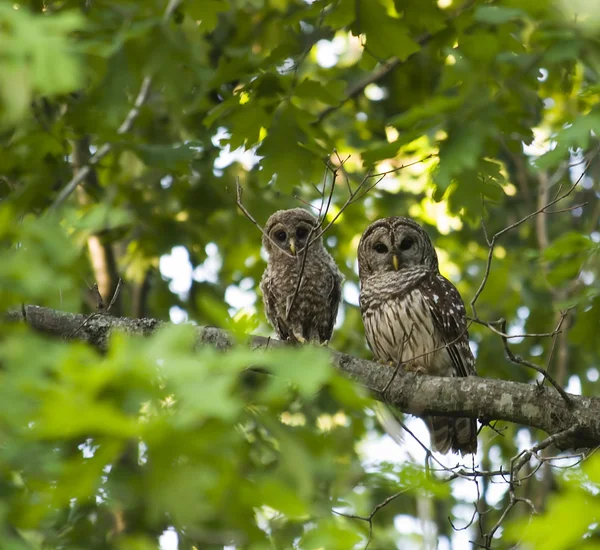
{"x":415,"y":316}
{"x":312,"y":313}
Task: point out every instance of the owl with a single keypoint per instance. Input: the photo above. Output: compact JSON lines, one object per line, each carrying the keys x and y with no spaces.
{"x":310,"y":316}
{"x":414,"y":316}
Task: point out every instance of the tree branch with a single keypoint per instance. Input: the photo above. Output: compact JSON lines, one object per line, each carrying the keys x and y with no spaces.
{"x":476,"y":397}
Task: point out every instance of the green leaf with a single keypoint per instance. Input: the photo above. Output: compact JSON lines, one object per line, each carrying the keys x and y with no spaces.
{"x":168,"y":157}
{"x":206,"y":12}
{"x":386,"y":36}
{"x":246,"y":123}
{"x":577,"y":134}
{"x":38,"y":57}
{"x":568,"y":244}
{"x":331,"y":94}
{"x":436,"y":106}
{"x":284,"y":499}
{"x":331,"y":534}
{"x":282,"y":151}
{"x":574,"y":511}
{"x":460,"y":151}
{"x":308,"y":368}
{"x":497,"y":15}
{"x":341,"y":14}
{"x":101,"y":217}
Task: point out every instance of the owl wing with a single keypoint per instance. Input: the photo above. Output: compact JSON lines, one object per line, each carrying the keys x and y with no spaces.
{"x":272,"y":311}
{"x":333,"y":302}
{"x":449,"y":317}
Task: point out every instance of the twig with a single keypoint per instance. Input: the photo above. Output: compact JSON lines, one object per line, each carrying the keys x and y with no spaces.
{"x":512,"y":502}
{"x":98,"y":296}
{"x":369,"y":518}
{"x":517,"y":463}
{"x":543,"y":209}
{"x":358,"y":88}
{"x":517,"y":359}
{"x":115,"y":295}
{"x":127,"y":124}
{"x":101,"y":310}
{"x":563,"y":316}
{"x":290,"y":303}
{"x":240,"y":205}
{"x":490,"y":325}
{"x":524,"y":457}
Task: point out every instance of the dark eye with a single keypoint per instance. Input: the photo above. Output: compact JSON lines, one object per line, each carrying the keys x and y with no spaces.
{"x":381,"y":248}
{"x":280,"y":235}
{"x":301,"y":233}
{"x":406,"y":243}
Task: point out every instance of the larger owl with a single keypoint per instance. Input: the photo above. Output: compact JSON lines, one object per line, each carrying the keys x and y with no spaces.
{"x":311,"y":314}
{"x":413,"y":315}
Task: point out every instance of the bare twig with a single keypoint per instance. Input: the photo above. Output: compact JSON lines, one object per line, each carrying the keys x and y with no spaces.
{"x":98,"y":296}
{"x":115,"y":295}
{"x":523,"y":458}
{"x":517,"y":359}
{"x":490,"y":325}
{"x":101,"y":310}
{"x":369,"y":518}
{"x":291,"y":301}
{"x":542,"y":209}
{"x":358,"y":88}
{"x":240,"y":205}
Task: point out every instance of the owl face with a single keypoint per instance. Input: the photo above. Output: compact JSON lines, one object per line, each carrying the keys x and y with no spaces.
{"x":288,"y":230}
{"x":394,"y":244}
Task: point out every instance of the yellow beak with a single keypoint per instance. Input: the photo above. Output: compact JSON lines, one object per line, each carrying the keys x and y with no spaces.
{"x":293,"y":247}
{"x":395,"y":262}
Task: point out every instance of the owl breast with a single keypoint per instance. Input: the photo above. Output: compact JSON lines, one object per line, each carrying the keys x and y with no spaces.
{"x":401,"y":328}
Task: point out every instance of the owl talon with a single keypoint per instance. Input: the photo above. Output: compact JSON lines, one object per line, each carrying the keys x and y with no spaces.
{"x":300,"y":338}
{"x":416,"y":370}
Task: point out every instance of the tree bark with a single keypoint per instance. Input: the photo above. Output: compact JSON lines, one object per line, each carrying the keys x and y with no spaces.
{"x":528,"y":404}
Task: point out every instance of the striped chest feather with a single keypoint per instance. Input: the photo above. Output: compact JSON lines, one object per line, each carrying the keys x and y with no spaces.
{"x":401,"y":328}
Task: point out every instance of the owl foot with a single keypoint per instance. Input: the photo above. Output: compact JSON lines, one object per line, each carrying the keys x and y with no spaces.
{"x":300,"y":338}
{"x":416,"y":369}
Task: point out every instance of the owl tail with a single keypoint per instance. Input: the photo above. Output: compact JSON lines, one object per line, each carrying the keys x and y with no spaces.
{"x":456,"y":434}
{"x":387,"y":420}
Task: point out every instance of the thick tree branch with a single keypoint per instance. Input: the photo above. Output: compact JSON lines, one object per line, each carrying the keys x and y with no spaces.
{"x":528,"y":404}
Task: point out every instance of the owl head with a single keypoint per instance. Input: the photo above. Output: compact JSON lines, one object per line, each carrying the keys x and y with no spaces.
{"x":394,"y":244}
{"x":288,"y":230}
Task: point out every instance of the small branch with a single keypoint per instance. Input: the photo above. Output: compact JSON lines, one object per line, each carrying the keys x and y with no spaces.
{"x":517,"y":359}
{"x":290,"y":303}
{"x":240,"y":205}
{"x":490,"y":325}
{"x":524,"y":457}
{"x":369,"y":518}
{"x":359,"y":87}
{"x":542,"y":209}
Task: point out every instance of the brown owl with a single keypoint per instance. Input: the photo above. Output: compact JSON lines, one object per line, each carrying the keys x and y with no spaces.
{"x":313,"y":311}
{"x":410,"y":311}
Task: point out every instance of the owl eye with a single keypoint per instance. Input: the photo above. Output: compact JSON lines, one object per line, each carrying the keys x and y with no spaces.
{"x":280,"y":235}
{"x":406,"y":243}
{"x":381,"y":248}
{"x":301,"y":232}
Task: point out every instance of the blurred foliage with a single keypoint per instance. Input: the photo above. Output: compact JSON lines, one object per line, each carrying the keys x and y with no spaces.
{"x":495,"y":106}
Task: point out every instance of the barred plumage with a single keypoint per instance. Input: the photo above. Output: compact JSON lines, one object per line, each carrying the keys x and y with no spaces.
{"x":314,"y":309}
{"x":413,"y":315}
